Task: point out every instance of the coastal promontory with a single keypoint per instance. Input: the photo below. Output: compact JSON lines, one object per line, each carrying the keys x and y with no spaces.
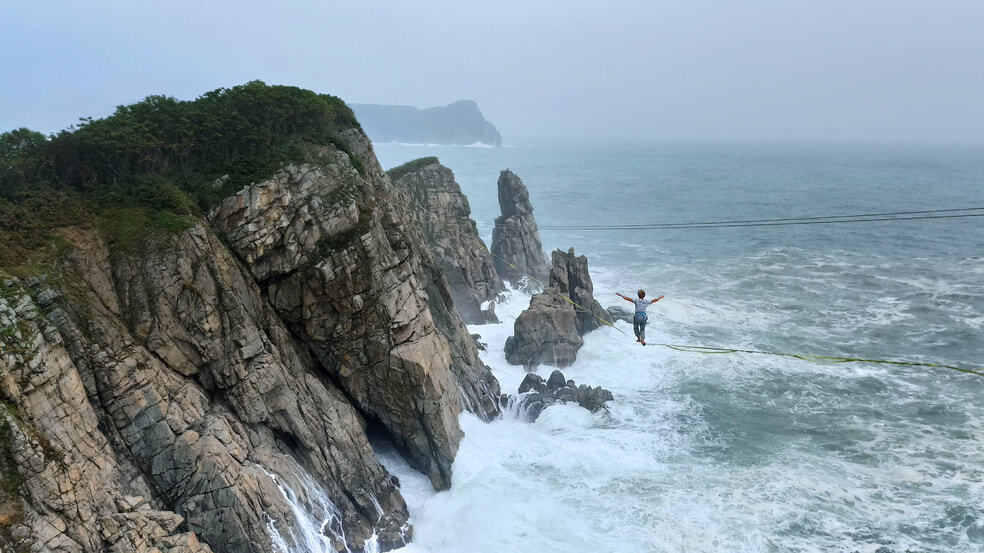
{"x":460,"y":123}
{"x":206,"y":307}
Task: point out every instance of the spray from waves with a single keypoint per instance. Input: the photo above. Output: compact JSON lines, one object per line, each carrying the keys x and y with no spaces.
{"x":709,"y":453}
{"x":315,"y":516}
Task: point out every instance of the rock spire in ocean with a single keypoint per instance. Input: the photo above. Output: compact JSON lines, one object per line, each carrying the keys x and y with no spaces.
{"x":550,"y":331}
{"x":516,"y":242}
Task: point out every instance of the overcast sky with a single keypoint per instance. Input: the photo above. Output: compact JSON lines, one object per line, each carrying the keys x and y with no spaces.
{"x":894,"y":70}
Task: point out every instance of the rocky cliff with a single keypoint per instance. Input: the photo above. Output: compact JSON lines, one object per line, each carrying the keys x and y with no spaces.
{"x":516,"y":241}
{"x":440,"y":208}
{"x":189,"y":395}
{"x":458,"y":123}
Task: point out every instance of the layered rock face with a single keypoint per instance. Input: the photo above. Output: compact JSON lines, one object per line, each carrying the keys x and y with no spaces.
{"x":545,"y":333}
{"x":569,"y":275}
{"x":64,"y":487}
{"x":172,"y":378}
{"x":550,"y":330}
{"x":343,"y":265}
{"x":167,"y":396}
{"x":439,"y":207}
{"x":516,"y":241}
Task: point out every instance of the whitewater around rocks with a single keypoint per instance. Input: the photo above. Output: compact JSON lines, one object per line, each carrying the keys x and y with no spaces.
{"x":730,"y":452}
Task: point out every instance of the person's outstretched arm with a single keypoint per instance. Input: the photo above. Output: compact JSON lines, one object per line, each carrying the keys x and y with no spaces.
{"x":626,"y":298}
{"x":655,"y":300}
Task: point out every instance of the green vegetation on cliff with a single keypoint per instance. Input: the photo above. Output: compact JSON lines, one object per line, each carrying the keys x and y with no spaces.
{"x":409,"y":167}
{"x":152,"y":165}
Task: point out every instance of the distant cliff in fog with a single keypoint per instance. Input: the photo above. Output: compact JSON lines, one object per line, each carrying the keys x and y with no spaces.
{"x":458,"y":123}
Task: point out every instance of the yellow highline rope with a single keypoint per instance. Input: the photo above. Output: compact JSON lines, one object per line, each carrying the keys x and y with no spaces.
{"x":710,"y":349}
{"x":820,"y":358}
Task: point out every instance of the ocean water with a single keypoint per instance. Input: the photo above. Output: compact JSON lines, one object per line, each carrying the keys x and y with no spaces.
{"x":736,"y":452}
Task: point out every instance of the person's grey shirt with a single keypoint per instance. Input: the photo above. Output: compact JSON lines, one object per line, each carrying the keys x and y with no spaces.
{"x":641,"y":304}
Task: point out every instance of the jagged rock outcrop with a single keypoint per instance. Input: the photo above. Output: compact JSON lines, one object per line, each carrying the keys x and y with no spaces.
{"x":155,"y":398}
{"x":515,"y":238}
{"x":549,"y":331}
{"x":569,"y":275}
{"x":439,"y":207}
{"x":545,"y":333}
{"x":185,"y":385}
{"x":62,"y":484}
{"x":537,"y":394}
{"x":345,"y":267}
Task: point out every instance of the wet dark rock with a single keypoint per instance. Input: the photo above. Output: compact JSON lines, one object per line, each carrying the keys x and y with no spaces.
{"x":569,"y":274}
{"x":535,"y":395}
{"x":619,"y":313}
{"x":482,"y":346}
{"x":593,"y":398}
{"x":534,"y":382}
{"x":556,"y":381}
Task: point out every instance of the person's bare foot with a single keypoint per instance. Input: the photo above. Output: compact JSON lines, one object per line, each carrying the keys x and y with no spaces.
{"x":643,"y":342}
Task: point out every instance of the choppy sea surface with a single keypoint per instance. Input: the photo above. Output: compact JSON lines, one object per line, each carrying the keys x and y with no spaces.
{"x":737,"y":452}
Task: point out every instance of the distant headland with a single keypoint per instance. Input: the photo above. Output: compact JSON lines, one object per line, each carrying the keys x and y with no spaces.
{"x":458,"y":123}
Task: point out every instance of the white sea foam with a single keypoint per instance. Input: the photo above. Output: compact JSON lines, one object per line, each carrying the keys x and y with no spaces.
{"x":728,"y":452}
{"x":676,"y":465}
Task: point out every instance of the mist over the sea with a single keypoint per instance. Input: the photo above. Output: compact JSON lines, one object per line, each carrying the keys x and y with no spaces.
{"x":902,"y":71}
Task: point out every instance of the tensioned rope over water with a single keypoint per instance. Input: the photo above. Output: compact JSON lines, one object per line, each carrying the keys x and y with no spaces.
{"x":846,"y":218}
{"x":777,"y":224}
{"x":713,"y":349}
{"x":578,"y":307}
{"x":918,"y":215}
{"x":819,"y":358}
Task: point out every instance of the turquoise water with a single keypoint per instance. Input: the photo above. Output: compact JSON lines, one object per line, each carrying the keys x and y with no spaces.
{"x":738,"y":452}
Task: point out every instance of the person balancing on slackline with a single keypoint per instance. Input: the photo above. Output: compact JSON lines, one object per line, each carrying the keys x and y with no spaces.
{"x":640,"y":318}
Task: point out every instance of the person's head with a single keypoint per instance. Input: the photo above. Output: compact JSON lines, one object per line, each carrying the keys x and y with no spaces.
{"x":642,"y":294}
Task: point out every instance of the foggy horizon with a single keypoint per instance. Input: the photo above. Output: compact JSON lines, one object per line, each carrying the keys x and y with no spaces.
{"x":905,"y":72}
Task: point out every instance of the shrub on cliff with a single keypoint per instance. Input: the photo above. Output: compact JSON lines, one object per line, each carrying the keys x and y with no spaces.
{"x":160,"y":154}
{"x":409,"y":167}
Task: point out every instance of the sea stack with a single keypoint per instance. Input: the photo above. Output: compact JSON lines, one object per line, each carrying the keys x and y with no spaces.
{"x":439,"y":207}
{"x":516,"y":241}
{"x":550,"y":330}
{"x":569,"y":275}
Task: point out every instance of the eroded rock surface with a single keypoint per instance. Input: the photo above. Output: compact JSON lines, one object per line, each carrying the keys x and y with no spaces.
{"x":545,"y":333}
{"x":65,"y":488}
{"x":536,"y":394}
{"x":516,"y":241}
{"x":569,"y":275}
{"x":549,"y":331}
{"x":165,"y":399}
{"x":177,"y":383}
{"x":345,"y":267}
{"x":439,"y":207}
